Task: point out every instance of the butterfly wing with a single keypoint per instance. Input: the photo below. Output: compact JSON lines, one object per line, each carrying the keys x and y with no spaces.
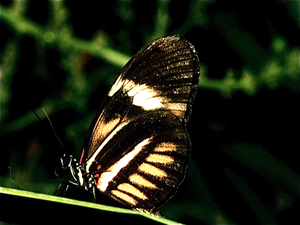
{"x":137,"y":142}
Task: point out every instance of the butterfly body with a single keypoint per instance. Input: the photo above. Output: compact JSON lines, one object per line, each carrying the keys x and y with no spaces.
{"x":137,"y":148}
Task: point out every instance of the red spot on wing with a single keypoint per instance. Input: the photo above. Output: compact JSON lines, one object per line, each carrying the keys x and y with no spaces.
{"x":97,"y":175}
{"x":81,"y":157}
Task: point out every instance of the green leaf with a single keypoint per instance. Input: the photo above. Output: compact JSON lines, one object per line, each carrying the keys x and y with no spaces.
{"x":33,"y":207}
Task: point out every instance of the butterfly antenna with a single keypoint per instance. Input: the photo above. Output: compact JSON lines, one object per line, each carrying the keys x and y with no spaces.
{"x":39,"y":118}
{"x":52,"y":127}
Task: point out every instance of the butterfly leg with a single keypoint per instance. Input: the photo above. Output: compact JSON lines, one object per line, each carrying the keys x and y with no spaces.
{"x":94,"y":193}
{"x":62,"y":191}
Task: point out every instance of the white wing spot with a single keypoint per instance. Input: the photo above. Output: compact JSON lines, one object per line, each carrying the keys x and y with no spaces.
{"x":140,"y":180}
{"x":125,"y":197}
{"x":143,"y":95}
{"x":111,"y":172}
{"x":116,"y":86}
{"x":158,"y":158}
{"x":126,"y":187}
{"x":152,"y":170}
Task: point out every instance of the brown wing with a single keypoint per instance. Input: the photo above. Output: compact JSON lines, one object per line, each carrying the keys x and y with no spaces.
{"x":137,"y":143}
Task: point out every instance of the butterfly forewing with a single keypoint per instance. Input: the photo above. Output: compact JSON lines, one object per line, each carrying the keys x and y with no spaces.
{"x":137,"y":145}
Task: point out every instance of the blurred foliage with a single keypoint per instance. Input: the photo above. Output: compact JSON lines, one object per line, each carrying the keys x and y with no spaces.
{"x":63,"y":56}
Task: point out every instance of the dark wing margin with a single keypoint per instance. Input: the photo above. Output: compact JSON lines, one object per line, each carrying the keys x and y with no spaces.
{"x":163,"y":75}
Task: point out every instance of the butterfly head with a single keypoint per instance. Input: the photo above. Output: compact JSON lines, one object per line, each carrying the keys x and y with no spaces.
{"x":78,"y":171}
{"x":84,"y":179}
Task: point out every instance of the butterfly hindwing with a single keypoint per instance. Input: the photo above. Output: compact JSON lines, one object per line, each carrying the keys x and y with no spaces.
{"x":149,"y":155}
{"x":137,"y":145}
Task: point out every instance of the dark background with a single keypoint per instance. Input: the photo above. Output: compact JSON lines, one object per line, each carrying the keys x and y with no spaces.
{"x":245,"y":124}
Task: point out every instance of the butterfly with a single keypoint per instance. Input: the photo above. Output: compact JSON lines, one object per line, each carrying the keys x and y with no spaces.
{"x":137,"y":148}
